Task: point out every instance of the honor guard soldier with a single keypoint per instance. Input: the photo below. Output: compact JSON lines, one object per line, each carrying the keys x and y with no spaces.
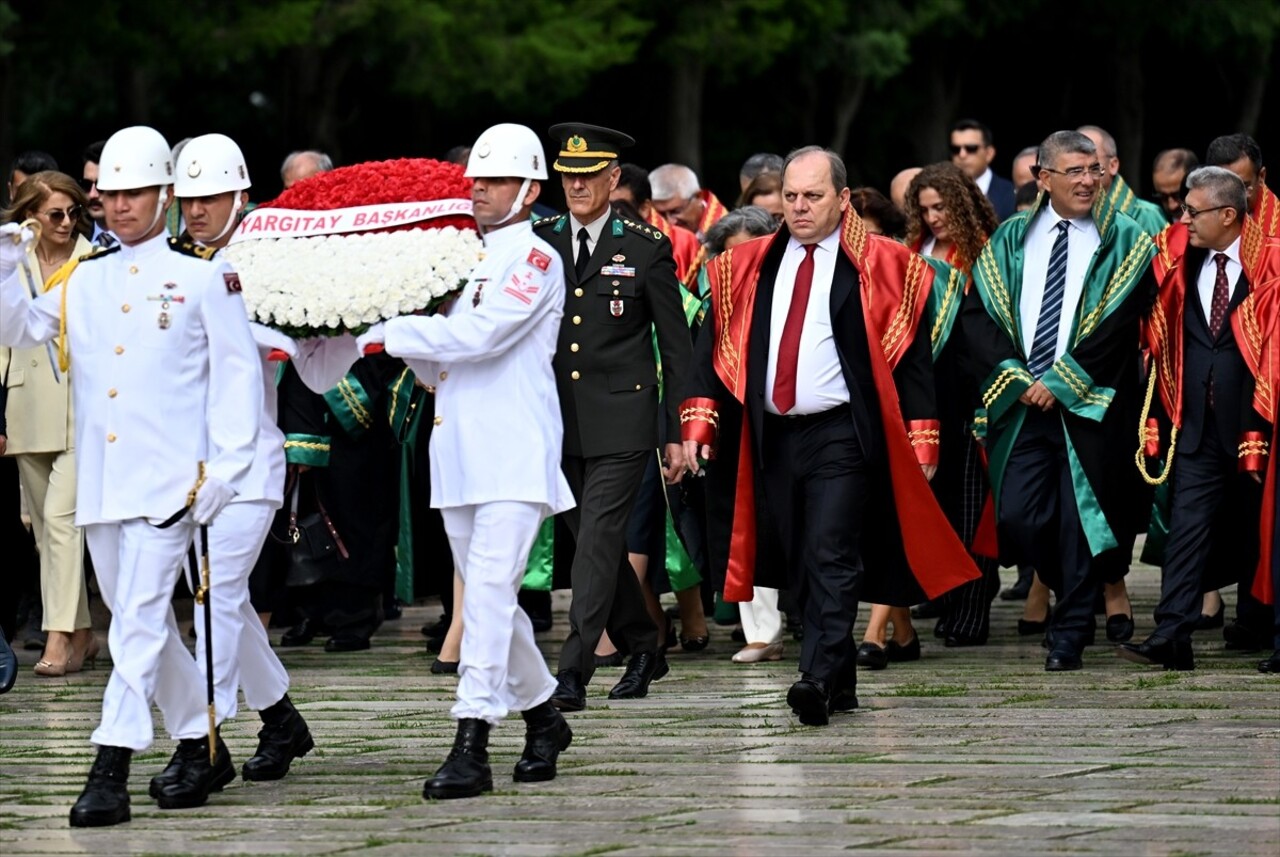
{"x":212,"y":185}
{"x":495,"y":456}
{"x":621,"y":289}
{"x":167,"y":407}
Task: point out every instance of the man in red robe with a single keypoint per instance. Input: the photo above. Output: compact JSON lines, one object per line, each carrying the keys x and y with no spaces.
{"x":679,"y":197}
{"x":815,"y":334}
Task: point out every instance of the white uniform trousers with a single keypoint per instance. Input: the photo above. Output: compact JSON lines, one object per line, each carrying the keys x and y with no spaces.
{"x":762,"y":621}
{"x":501,"y":668}
{"x":137,"y":566}
{"x":49,"y":483}
{"x":242,"y":654}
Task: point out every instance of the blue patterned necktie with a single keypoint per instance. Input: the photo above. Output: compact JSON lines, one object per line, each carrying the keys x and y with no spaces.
{"x":1055,"y":287}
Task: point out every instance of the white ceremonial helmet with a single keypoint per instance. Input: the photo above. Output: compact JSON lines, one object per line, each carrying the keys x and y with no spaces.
{"x":507,"y":150}
{"x":209,"y":165}
{"x":135,"y":157}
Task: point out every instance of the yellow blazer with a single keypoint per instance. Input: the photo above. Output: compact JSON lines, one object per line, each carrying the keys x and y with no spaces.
{"x":39,"y":413}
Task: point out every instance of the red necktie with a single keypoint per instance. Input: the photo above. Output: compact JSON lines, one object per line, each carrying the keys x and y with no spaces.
{"x":784,"y":380}
{"x":1221,"y":297}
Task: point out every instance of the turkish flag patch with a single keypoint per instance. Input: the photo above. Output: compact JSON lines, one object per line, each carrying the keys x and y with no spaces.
{"x":539,"y":260}
{"x":233,"y":282}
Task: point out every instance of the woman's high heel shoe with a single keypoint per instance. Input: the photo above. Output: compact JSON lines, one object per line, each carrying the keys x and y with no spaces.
{"x":51,"y":668}
{"x":77,"y":660}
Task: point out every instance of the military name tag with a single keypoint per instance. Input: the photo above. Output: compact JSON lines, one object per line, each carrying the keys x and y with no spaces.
{"x":617,"y":271}
{"x":615,"y":308}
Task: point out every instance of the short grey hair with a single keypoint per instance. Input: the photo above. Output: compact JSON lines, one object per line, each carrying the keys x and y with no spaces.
{"x":1223,"y":187}
{"x":323,"y":163}
{"x":1108,"y":142}
{"x":1061,"y":143}
{"x":839,"y":175}
{"x":751,"y":219}
{"x":761,"y":162}
{"x":673,"y":181}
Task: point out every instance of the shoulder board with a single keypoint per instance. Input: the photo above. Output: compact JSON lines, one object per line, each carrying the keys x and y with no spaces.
{"x":547,"y":221}
{"x":99,"y":252}
{"x":186,"y":248}
{"x":644,"y":229}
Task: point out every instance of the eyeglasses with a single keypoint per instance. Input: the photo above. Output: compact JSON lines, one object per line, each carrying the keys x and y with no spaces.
{"x":88,"y":184}
{"x":1193,"y":213}
{"x":968,"y":148}
{"x":57,"y":215}
{"x":1076,"y":174}
{"x":675,"y":208}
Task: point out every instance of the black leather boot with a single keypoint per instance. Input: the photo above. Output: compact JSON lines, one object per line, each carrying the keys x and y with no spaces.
{"x":105,"y":799}
{"x":193,"y":778}
{"x":546,"y":735}
{"x":465,"y":773}
{"x":284,"y":737}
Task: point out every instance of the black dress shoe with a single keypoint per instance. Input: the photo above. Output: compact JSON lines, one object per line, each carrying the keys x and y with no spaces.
{"x":1016,"y":592}
{"x":1271,"y":664}
{"x":1207,"y":622}
{"x":616,"y":659}
{"x":570,"y":693}
{"x":963,"y":641}
{"x":465,"y":773}
{"x":940,"y":628}
{"x":442,"y":667}
{"x":1240,"y":637}
{"x":546,"y":735}
{"x":346,"y":643}
{"x":1160,"y":651}
{"x":899,"y":653}
{"x":300,"y":634}
{"x":810,"y":700}
{"x":643,"y":668}
{"x":694,"y":644}
{"x":844,"y":700}
{"x":1063,"y":659}
{"x":1032,"y":628}
{"x":284,"y":736}
{"x":872,"y":657}
{"x":105,"y":799}
{"x":195,"y":778}
{"x":1119,"y":628}
{"x":8,"y":665}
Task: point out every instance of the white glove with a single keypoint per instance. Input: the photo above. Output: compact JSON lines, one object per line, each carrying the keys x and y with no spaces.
{"x":14,"y":251}
{"x":212,"y":497}
{"x":269,"y":337}
{"x":375,"y":334}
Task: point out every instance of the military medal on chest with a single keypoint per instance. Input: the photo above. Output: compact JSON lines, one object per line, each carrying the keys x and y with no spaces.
{"x":615,"y":308}
{"x":167,"y":299}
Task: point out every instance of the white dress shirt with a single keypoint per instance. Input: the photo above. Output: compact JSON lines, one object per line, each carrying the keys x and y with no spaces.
{"x":1209,"y":274}
{"x":1083,"y":241}
{"x":594,"y":228}
{"x":820,"y":383}
{"x":984,"y":181}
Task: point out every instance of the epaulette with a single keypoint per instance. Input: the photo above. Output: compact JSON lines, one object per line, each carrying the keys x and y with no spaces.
{"x":99,"y":252}
{"x":644,"y":229}
{"x":186,"y":248}
{"x":547,"y":221}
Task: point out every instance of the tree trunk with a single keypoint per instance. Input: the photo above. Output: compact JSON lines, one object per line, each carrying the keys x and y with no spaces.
{"x":1254,"y":93}
{"x":688,"y":78}
{"x":1131,"y":112}
{"x":848,"y":101}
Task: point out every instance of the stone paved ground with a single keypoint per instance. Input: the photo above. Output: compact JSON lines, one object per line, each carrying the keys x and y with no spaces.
{"x":969,"y":751}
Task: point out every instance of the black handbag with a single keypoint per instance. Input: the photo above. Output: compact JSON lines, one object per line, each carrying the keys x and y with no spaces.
{"x":315,"y":548}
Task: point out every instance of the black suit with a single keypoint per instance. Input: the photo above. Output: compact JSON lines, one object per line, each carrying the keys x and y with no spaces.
{"x":822,"y":477}
{"x":1210,"y":500}
{"x":608,"y":384}
{"x":1001,"y":193}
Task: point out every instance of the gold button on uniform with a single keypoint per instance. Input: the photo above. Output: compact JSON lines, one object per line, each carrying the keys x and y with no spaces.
{"x":111,"y":394}
{"x":573,"y":346}
{"x":133,"y":269}
{"x":35,"y":362}
{"x":577,"y":293}
{"x":125,"y":308}
{"x":639,"y":387}
{"x":615,"y":291}
{"x":577,"y":319}
{"x":574,"y":375}
{"x":439,"y":420}
{"x":119,"y":349}
{"x":444,"y":375}
{"x":111,"y":438}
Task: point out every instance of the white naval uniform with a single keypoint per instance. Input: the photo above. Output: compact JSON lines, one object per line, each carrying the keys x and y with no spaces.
{"x":495,"y":454}
{"x":167,"y":376}
{"x":242,"y":653}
